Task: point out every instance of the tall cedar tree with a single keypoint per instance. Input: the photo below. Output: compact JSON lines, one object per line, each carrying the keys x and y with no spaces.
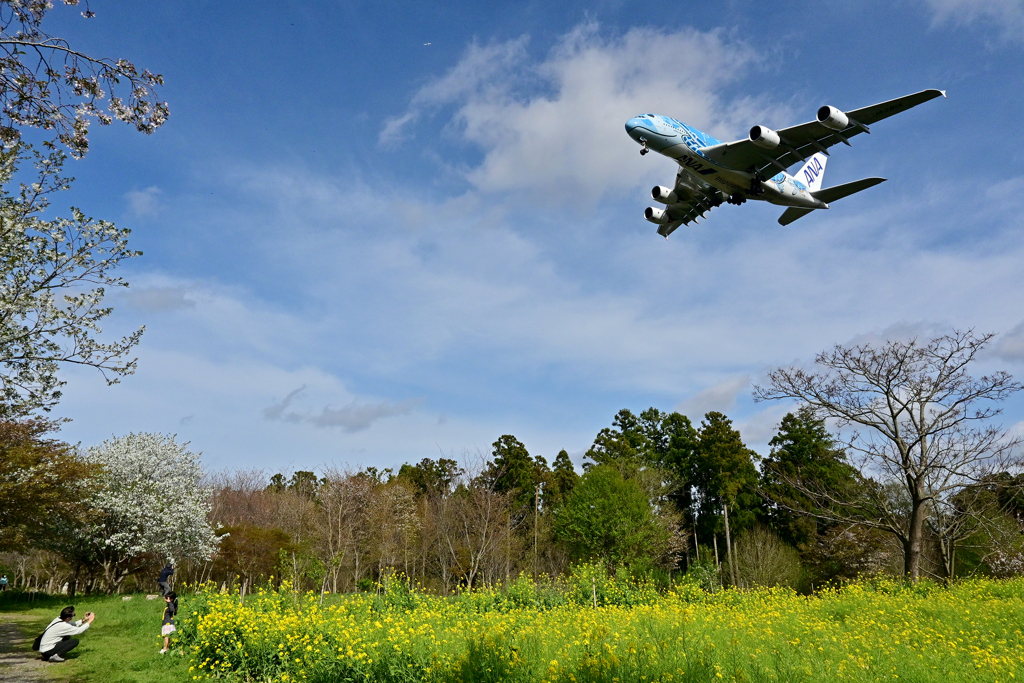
{"x":804,"y":455}
{"x":680,"y":446}
{"x":630,"y":440}
{"x":513,"y":471}
{"x":722,"y":471}
{"x":563,"y":480}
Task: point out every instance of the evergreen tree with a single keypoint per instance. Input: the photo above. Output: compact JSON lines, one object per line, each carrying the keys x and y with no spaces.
{"x":512,"y":470}
{"x":722,"y":471}
{"x":803,"y":455}
{"x":676,"y":460}
{"x":563,"y":480}
{"x":623,"y":443}
{"x":431,"y":476}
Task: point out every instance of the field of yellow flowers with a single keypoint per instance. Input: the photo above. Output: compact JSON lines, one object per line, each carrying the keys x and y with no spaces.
{"x":870,"y":631}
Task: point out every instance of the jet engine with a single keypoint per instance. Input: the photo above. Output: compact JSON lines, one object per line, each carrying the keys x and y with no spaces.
{"x":763,"y":136}
{"x":832,"y":118}
{"x":664,"y":195}
{"x":657,"y":216}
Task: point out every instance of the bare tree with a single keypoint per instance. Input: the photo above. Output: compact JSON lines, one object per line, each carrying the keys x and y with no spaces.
{"x":764,"y":559}
{"x":239,"y":497}
{"x":343,"y":504}
{"x":921,"y":425}
{"x":474,"y":526}
{"x":393,"y":525}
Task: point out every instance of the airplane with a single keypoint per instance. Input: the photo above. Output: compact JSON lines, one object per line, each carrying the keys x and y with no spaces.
{"x":712,"y":172}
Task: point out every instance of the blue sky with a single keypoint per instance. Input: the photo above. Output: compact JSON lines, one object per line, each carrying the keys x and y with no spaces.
{"x":365,"y":250}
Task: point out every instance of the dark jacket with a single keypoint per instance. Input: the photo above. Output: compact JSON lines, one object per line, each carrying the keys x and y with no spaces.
{"x":165,"y":573}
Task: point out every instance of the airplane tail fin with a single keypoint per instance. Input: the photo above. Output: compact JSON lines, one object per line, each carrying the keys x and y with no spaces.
{"x":828,"y":195}
{"x":812,"y":172}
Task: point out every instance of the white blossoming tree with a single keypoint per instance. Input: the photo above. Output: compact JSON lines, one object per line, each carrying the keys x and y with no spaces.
{"x":47,"y":84}
{"x":151,"y":503}
{"x":53,"y":279}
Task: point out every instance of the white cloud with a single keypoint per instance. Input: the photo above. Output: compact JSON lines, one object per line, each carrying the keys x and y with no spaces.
{"x":278,"y":411}
{"x":357,"y":416}
{"x":1006,"y":15}
{"x":609,"y":305}
{"x":758,"y":429}
{"x":481,"y":72}
{"x":555,"y":126}
{"x":157,"y":299}
{"x":720,"y":398}
{"x":143,"y":202}
{"x":354,"y":417}
{"x":1010,"y":346}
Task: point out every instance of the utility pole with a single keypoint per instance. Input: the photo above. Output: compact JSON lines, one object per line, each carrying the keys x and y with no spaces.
{"x":728,"y":545}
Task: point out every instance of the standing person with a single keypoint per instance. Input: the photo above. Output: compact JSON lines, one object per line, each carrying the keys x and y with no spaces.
{"x":3,"y":582}
{"x":57,"y":639}
{"x":165,"y":575}
{"x":167,"y":629}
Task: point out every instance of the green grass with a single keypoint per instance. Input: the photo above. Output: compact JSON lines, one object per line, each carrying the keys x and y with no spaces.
{"x":121,"y":646}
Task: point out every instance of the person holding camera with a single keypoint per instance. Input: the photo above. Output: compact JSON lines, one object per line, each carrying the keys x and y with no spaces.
{"x":57,"y":640}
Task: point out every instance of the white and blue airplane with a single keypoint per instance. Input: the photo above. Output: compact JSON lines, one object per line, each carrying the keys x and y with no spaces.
{"x":712,"y":172}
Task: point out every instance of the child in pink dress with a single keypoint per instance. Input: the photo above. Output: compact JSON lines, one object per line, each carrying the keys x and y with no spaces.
{"x":168,"y":627}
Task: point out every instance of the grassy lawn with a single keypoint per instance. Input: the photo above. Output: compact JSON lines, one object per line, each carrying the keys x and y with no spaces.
{"x":120,"y":647}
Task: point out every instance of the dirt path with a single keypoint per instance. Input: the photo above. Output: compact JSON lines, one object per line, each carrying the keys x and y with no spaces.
{"x":18,"y":663}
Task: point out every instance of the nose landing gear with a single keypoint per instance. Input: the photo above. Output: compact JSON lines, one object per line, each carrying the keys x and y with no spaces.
{"x":643,"y":146}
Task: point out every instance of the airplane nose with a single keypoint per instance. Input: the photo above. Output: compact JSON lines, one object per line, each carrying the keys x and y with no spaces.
{"x":639,"y":127}
{"x":633,"y":123}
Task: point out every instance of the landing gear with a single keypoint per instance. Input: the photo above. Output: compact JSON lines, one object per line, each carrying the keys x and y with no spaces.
{"x":736,"y":199}
{"x":643,"y":146}
{"x":755,"y":185}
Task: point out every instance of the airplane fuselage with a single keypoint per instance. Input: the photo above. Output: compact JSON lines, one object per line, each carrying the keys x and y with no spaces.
{"x":684,"y":144}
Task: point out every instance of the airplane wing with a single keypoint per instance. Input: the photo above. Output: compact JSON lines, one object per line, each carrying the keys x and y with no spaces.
{"x":798,"y":143}
{"x":695,"y":200}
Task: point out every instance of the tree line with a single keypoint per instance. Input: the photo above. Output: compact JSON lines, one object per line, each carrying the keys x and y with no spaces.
{"x":935,"y":490}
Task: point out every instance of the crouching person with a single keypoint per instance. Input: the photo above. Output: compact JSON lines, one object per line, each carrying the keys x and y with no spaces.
{"x":57,"y":640}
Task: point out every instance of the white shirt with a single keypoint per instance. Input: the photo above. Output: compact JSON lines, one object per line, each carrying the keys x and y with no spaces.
{"x":57,"y":630}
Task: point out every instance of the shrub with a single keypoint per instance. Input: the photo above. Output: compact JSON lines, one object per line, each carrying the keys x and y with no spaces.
{"x":763,"y":559}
